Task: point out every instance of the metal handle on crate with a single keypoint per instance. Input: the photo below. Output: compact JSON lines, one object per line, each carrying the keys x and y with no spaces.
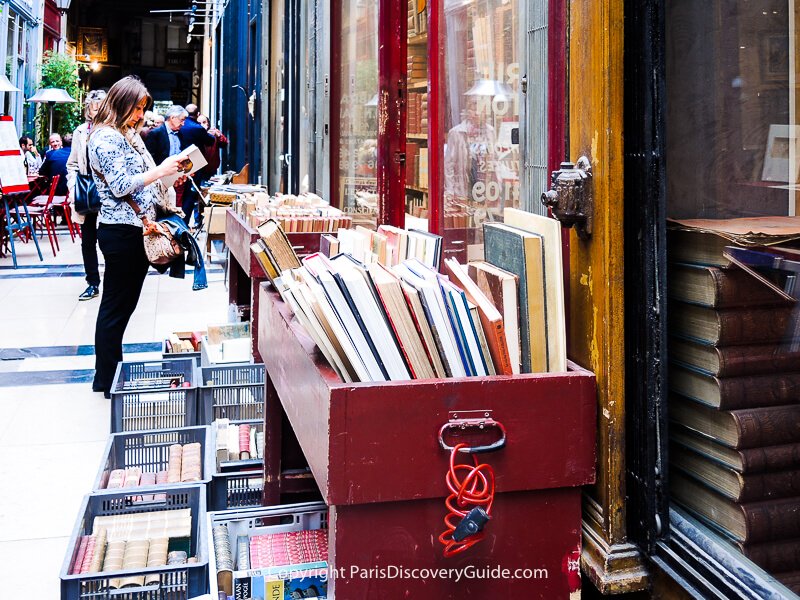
{"x":468,"y":421}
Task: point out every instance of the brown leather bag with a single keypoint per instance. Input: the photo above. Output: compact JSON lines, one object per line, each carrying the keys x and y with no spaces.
{"x":160,"y":245}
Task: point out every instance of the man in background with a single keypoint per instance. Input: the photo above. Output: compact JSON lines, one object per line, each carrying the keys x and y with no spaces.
{"x":211,"y":153}
{"x":192,"y":133}
{"x":163,"y":141}
{"x":55,"y":163}
{"x":54,"y":142}
{"x":30,"y":155}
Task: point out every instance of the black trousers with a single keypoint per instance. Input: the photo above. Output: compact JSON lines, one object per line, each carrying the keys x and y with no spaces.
{"x":125,"y":271}
{"x":89,"y":249}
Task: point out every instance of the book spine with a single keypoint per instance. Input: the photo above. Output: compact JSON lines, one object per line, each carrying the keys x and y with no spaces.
{"x":754,"y":391}
{"x":770,"y":458}
{"x":752,"y":326}
{"x":736,"y":361}
{"x":763,"y":486}
{"x":772,"y":520}
{"x":766,"y":427}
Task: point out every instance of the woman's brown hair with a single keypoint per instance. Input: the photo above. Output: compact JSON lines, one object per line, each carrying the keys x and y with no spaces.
{"x":121,"y":101}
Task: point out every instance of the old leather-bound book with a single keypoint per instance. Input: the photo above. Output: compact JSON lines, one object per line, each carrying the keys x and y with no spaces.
{"x":762,"y":521}
{"x":747,"y":428}
{"x":731,"y":361}
{"x":731,"y":326}
{"x":718,"y":288}
{"x":731,"y":393}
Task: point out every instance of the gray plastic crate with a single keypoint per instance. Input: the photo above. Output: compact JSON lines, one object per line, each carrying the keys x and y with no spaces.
{"x":261,"y":521}
{"x":149,"y":450}
{"x":236,"y":483}
{"x":233,"y":392}
{"x":237,"y":489}
{"x":154,"y":408}
{"x":177,"y":582}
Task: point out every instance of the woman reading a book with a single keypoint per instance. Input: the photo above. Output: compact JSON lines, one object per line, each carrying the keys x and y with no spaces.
{"x":128,"y":182}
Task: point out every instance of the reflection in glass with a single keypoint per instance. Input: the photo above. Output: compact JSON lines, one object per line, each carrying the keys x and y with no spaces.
{"x":481,"y":113}
{"x":358,"y":111}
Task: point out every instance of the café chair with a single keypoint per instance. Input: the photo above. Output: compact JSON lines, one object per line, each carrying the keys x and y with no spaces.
{"x":42,"y":215}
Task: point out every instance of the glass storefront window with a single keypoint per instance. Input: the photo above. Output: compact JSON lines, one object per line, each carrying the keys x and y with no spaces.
{"x":358,"y":111}
{"x":732,"y":127}
{"x":480,"y":86}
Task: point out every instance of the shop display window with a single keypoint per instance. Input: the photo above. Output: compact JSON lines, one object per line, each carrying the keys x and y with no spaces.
{"x":731,"y":125}
{"x":357,"y":167}
{"x":480,"y":119}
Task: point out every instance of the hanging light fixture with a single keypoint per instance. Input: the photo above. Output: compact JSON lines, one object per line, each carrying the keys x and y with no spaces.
{"x":63,"y":6}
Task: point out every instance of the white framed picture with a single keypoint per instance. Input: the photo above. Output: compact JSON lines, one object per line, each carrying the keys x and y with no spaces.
{"x":776,"y":156}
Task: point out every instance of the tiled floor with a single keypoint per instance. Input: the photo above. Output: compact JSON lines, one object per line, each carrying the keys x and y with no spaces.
{"x":52,"y":434}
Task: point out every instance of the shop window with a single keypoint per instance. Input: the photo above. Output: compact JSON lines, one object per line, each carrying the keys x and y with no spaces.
{"x":732,"y":126}
{"x":480,"y":121}
{"x":358,"y":110}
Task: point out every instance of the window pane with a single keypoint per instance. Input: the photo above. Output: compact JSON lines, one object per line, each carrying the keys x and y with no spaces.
{"x":731,"y":139}
{"x":481,"y":114}
{"x":358,"y":111}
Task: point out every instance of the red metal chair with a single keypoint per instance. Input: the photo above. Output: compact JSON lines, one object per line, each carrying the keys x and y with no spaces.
{"x":42,"y":215}
{"x":62,"y":203}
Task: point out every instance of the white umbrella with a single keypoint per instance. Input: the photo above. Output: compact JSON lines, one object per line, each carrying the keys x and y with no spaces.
{"x":6,"y":85}
{"x":52,"y":96}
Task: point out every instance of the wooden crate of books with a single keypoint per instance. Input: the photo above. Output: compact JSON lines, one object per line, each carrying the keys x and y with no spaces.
{"x":373,"y":449}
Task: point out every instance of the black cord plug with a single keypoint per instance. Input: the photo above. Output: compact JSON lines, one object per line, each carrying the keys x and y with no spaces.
{"x":471,"y":524}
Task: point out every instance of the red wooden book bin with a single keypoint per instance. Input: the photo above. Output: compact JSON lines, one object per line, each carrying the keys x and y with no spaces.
{"x":374,"y":452}
{"x":245,"y":273}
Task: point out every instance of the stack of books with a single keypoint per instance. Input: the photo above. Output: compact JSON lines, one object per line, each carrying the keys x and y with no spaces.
{"x":735,"y":382}
{"x":379,"y":309}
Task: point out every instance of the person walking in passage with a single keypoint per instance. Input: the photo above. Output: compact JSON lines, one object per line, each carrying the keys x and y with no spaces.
{"x":124,"y":172}
{"x":78,"y":162}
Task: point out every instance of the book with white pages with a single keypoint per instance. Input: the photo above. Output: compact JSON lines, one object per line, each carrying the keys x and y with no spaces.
{"x":339,"y":338}
{"x":356,"y":285}
{"x":196,"y":162}
{"x":424,"y":328}
{"x":361,"y":342}
{"x":426,"y":282}
{"x":462,"y":321}
{"x":309,"y":321}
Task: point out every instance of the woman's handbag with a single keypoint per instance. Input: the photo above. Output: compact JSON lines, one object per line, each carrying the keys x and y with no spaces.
{"x":160,"y":246}
{"x":87,"y":200}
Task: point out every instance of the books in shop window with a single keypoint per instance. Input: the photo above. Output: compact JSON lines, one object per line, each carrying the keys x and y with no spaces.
{"x":739,"y":429}
{"x":731,"y":327}
{"x":718,"y":288}
{"x":739,"y":487}
{"x":730,"y":393}
{"x":747,"y":522}
{"x":747,"y":460}
{"x":731,"y":361}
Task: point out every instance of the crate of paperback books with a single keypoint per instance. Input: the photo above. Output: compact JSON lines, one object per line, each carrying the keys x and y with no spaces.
{"x":158,"y":394}
{"x":132,"y":545}
{"x":275,"y":552}
{"x":238,"y":478}
{"x":159,"y":457}
{"x":232,"y":392}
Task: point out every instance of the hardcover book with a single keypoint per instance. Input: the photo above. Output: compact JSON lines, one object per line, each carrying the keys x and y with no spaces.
{"x":521,"y":252}
{"x":731,"y":393}
{"x":733,"y":326}
{"x":738,"y":429}
{"x":733,"y":361}
{"x":718,"y":288}
{"x":762,"y":521}
{"x":736,"y":486}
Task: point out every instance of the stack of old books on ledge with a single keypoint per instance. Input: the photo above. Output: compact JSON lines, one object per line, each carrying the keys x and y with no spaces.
{"x":735,"y":383}
{"x":377,"y":307}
